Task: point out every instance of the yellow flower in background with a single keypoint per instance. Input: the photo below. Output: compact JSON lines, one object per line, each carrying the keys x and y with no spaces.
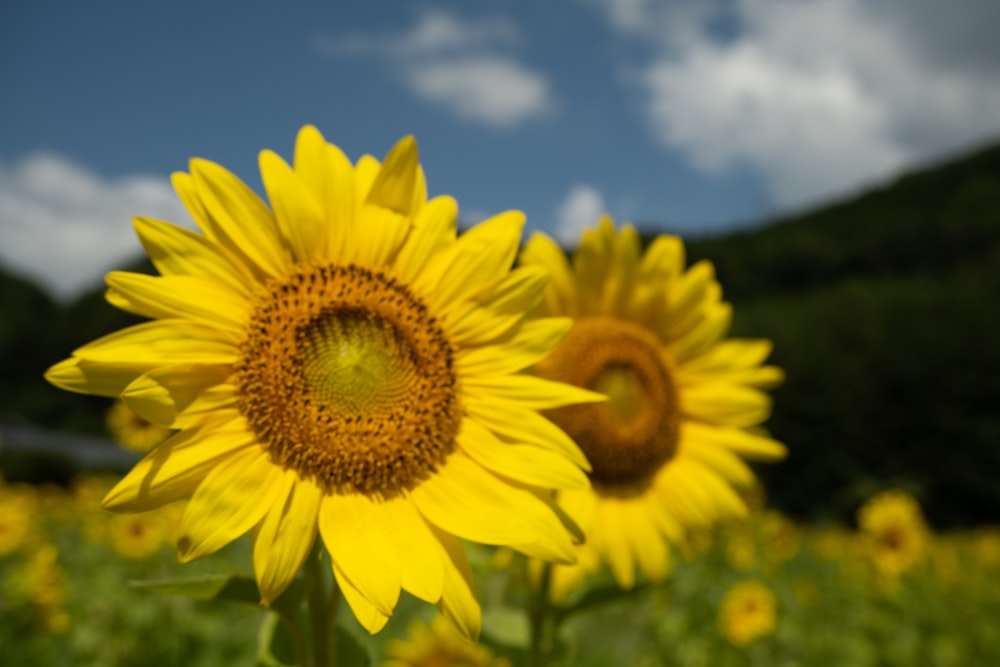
{"x":666,"y":448}
{"x":748,"y":612}
{"x":136,"y":536}
{"x":438,"y":646}
{"x":341,"y":363}
{"x":18,"y":511}
{"x":132,"y":431}
{"x":44,"y":583}
{"x":893,"y":531}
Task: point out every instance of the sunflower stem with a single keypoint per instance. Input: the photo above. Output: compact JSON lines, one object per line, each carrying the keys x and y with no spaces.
{"x":542,"y":621}
{"x":320,"y":616}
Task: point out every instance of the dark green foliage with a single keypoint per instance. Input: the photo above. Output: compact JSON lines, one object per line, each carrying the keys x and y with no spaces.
{"x":884,"y":314}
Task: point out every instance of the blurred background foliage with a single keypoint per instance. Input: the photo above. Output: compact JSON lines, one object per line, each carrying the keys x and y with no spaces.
{"x":883,"y":311}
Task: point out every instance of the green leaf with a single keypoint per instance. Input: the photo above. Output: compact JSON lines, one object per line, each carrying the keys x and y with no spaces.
{"x":507,"y":626}
{"x":207,"y":587}
{"x":226,"y":587}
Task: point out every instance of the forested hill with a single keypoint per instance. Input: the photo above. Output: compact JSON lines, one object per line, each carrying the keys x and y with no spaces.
{"x":929,"y":222}
{"x":883,"y":310}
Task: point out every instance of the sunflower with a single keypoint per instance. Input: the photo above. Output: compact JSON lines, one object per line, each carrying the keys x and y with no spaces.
{"x":132,"y":431}
{"x":683,"y":402}
{"x":894,"y":535}
{"x":748,"y":612}
{"x":438,"y":645}
{"x":340,"y":362}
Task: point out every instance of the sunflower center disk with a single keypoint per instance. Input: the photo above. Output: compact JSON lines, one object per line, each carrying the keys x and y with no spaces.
{"x":629,"y":437}
{"x":346,"y":379}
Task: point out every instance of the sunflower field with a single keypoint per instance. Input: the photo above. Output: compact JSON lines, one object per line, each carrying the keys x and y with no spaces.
{"x":79,"y":588}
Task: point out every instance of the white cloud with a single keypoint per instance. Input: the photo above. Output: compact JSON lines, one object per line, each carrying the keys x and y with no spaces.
{"x":818,"y":96}
{"x":489,"y":89}
{"x":457,"y":64}
{"x":64,"y":226}
{"x":582,"y":207}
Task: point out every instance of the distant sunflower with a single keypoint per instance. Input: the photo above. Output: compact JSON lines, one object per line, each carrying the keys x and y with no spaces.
{"x":894,"y":534}
{"x":665,"y":449}
{"x":748,"y":612}
{"x":132,"y":431}
{"x":342,"y":362}
{"x":438,"y":645}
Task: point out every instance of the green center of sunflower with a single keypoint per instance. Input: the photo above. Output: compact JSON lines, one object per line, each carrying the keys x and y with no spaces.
{"x":630,"y":436}
{"x":347,"y":379}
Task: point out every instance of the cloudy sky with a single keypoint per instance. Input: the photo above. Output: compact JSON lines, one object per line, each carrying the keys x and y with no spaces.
{"x":692,"y":116}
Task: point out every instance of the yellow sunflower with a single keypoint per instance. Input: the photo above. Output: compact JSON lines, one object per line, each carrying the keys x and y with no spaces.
{"x":438,"y":645}
{"x":683,"y":402}
{"x":749,"y":611}
{"x":894,"y":535}
{"x":342,"y":362}
{"x":132,"y":431}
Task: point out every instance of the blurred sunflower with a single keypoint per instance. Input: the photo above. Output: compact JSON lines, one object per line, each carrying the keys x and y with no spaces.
{"x":893,"y":532}
{"x":136,"y":536}
{"x":342,"y":362}
{"x":683,"y":402}
{"x":132,"y":431}
{"x":18,"y":516}
{"x":748,"y":612}
{"x":438,"y":645}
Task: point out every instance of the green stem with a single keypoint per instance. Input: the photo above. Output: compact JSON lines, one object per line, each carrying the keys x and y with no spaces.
{"x":320,"y":616}
{"x":542,"y":621}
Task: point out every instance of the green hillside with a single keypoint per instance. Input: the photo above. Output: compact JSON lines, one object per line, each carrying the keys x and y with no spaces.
{"x":883,"y":310}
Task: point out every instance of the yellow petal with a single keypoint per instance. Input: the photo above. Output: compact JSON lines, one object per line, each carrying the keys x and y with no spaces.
{"x":736,"y":440}
{"x":647,"y":544}
{"x":329,"y":177}
{"x":173,"y":470}
{"x":158,"y":395}
{"x":386,"y":215}
{"x":523,"y":463}
{"x":241,"y":220}
{"x":612,"y":543}
{"x":726,"y":405}
{"x":523,"y":425}
{"x":230,"y":501}
{"x":468,"y":501}
{"x":174,"y":250}
{"x":459,"y":602}
{"x":479,"y":259}
{"x":528,"y":391}
{"x":370,"y":618}
{"x":394,"y":185}
{"x":161,"y":342}
{"x":421,"y":557}
{"x":721,"y":460}
{"x":356,"y":534}
{"x":560,"y":295}
{"x":297,"y":213}
{"x":284,"y":538}
{"x":531,"y":342}
{"x":707,"y":333}
{"x":98,"y":378}
{"x":471,"y":323}
{"x":191,"y":297}
{"x":433,"y":230}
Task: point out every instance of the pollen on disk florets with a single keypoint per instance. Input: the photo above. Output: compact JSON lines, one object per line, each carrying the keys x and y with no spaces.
{"x":629,"y":437}
{"x":346,"y":378}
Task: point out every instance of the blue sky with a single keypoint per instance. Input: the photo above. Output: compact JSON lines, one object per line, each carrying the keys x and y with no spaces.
{"x":689,"y":116}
